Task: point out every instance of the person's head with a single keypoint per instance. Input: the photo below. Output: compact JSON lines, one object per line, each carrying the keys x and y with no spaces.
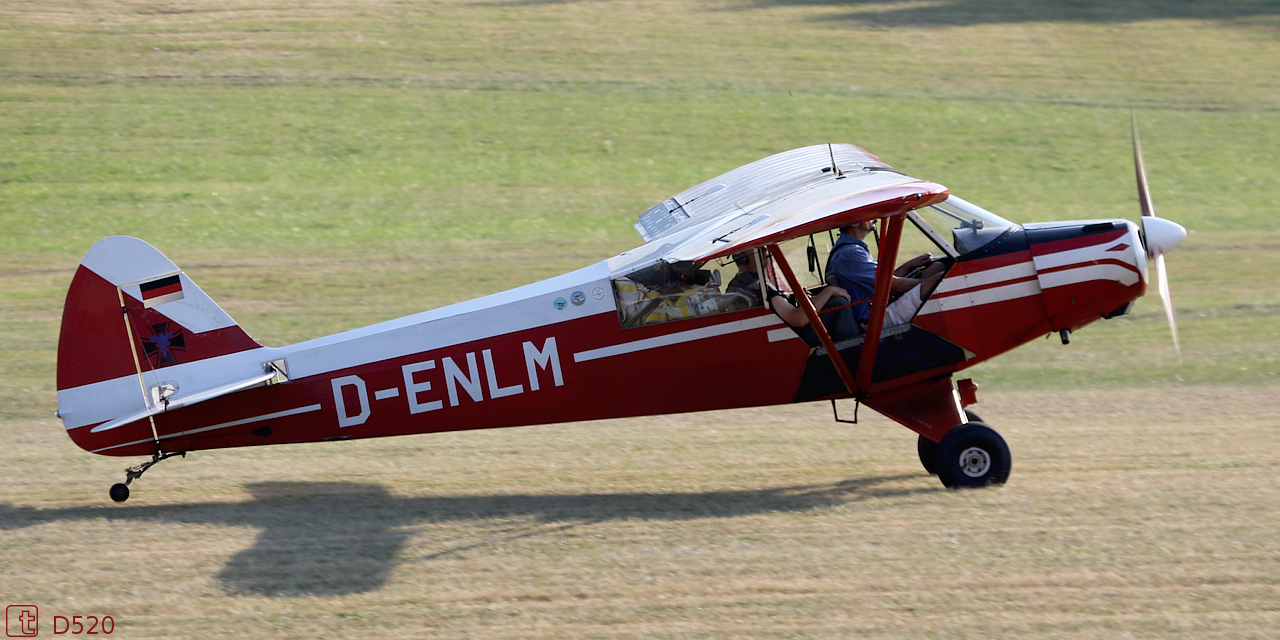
{"x":746,"y":260}
{"x":859,"y":230}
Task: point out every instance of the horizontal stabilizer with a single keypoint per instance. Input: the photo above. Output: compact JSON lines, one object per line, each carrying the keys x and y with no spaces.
{"x":169,"y":404}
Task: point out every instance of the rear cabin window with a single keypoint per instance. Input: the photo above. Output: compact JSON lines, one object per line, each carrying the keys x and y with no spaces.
{"x":664,"y":292}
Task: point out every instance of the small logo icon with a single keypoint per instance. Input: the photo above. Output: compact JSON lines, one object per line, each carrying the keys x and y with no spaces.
{"x":598,"y":293}
{"x":560,"y":303}
{"x":578,"y":298}
{"x":163,"y":344}
{"x":22,"y":621}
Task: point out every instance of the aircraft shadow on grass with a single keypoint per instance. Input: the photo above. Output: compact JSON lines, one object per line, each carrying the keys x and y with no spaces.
{"x":341,"y":538}
{"x":963,"y":13}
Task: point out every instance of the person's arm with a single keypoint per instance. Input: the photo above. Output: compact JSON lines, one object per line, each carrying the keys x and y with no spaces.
{"x":789,"y":313}
{"x":929,"y":277}
{"x":824,"y":296}
{"x":922,"y":260}
{"x":795,"y":316}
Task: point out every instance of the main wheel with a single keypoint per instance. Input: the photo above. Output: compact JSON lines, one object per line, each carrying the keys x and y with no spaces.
{"x":119,"y":492}
{"x":973,"y":455}
{"x":928,"y":451}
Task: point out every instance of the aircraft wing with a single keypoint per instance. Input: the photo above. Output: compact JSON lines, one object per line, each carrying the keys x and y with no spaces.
{"x":788,"y":195}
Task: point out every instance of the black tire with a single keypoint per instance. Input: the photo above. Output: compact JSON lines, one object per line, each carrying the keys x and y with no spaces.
{"x":973,"y":455}
{"x":119,"y":492}
{"x":928,"y":451}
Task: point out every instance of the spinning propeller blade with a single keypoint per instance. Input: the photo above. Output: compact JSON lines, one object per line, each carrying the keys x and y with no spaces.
{"x":1160,"y":235}
{"x":1144,"y":193}
{"x":1162,"y":278}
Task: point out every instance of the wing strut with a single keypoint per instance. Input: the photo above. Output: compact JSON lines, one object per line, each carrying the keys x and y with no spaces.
{"x":811,"y":313}
{"x":884,"y":283}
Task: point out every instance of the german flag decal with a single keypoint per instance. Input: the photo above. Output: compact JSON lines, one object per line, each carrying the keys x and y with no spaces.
{"x":160,"y":291}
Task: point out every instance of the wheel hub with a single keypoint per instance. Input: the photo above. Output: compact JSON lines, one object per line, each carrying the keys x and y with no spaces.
{"x":975,"y":462}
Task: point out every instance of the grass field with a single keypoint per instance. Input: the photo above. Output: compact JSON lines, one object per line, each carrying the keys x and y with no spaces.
{"x":285,"y":154}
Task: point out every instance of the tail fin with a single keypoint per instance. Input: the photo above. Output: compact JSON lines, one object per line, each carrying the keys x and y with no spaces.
{"x":129,"y":314}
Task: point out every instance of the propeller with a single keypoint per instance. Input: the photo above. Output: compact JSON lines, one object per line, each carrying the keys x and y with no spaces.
{"x":1159,"y":235}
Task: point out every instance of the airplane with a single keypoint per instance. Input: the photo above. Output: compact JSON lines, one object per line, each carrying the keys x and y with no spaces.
{"x":149,"y":365}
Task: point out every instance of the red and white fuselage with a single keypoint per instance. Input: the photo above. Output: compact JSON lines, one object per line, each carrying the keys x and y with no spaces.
{"x":148,"y":363}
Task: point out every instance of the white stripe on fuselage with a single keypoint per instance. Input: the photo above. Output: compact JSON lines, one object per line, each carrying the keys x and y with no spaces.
{"x":1082,"y":254}
{"x":677,"y":338}
{"x":967,"y":290}
{"x":1024,"y":289}
{"x":1087,"y":264}
{"x":988,"y":277}
{"x":1089,"y":272}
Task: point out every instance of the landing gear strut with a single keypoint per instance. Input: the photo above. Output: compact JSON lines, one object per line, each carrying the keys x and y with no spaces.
{"x":120,"y":490}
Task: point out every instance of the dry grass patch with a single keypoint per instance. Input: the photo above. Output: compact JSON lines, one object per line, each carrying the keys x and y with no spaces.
{"x":1130,"y":513}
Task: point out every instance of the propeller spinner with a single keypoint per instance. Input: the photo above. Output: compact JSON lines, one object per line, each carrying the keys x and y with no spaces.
{"x":1159,"y":236}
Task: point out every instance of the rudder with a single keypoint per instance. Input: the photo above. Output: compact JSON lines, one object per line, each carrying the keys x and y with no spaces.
{"x":130,"y":312}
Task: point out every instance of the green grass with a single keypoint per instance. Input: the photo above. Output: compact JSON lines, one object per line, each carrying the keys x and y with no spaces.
{"x":388,"y":178}
{"x":275,"y":135}
{"x":243,"y":165}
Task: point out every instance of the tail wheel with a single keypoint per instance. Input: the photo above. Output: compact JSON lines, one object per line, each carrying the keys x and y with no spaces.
{"x":973,"y":455}
{"x":119,"y":492}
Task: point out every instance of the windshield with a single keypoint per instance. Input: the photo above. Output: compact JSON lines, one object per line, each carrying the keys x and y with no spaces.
{"x":971,"y":226}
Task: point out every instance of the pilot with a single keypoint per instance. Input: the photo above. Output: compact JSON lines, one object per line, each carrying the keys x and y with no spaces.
{"x":839,"y":323}
{"x":851,"y":266}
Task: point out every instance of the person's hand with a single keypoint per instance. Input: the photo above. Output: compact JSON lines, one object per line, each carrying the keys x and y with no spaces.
{"x":837,"y":291}
{"x":918,"y":261}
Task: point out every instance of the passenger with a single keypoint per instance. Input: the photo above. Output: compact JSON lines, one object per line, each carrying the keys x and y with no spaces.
{"x":747,"y":282}
{"x":851,"y":266}
{"x":839,"y":323}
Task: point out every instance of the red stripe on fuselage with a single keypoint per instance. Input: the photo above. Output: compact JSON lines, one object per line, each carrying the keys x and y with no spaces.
{"x":1089,"y":263}
{"x":984,"y":287}
{"x":970,"y":267}
{"x":1068,"y":244}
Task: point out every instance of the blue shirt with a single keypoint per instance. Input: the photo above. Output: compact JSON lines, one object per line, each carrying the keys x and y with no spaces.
{"x":851,"y":267}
